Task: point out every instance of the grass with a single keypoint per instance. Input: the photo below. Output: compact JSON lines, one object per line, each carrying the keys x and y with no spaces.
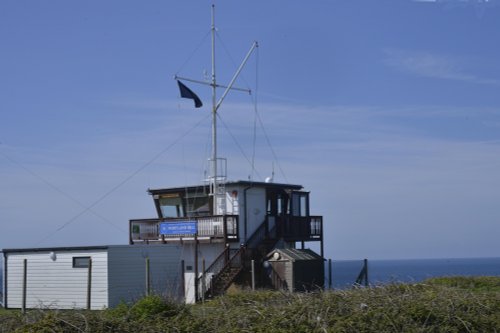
{"x":482,"y":283}
{"x":455,"y":304}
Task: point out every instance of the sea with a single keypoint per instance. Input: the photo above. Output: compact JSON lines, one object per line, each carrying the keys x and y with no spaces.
{"x":345,"y":272}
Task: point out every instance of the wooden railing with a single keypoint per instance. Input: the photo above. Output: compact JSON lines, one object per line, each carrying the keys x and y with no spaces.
{"x":221,"y":226}
{"x":217,"y":277}
{"x":204,"y":281}
{"x":300,"y":228}
{"x":213,"y":280}
{"x":227,"y":260}
{"x":235,"y":262}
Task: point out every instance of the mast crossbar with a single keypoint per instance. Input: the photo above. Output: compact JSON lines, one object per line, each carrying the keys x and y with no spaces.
{"x":236,"y":74}
{"x":210,"y":84}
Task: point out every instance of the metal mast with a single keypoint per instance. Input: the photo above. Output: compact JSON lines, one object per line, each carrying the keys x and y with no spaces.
{"x":214,"y":188}
{"x":217,"y":175}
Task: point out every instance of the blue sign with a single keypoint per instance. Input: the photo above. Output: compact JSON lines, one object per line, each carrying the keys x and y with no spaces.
{"x":178,"y":228}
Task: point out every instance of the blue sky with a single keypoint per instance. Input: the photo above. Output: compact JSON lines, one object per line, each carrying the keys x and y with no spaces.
{"x":387,"y":111}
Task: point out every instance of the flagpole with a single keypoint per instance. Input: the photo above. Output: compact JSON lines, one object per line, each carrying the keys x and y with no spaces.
{"x":214,"y":185}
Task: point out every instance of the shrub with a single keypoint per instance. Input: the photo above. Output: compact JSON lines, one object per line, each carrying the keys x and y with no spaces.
{"x":438,"y":305}
{"x":153,"y":306}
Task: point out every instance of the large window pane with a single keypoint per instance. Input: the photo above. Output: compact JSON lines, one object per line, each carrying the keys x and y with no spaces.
{"x":198,"y":206}
{"x":171,"y":207}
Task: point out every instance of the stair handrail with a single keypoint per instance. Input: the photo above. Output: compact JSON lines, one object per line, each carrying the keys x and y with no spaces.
{"x":228,"y":265}
{"x":258,"y":236}
{"x":221,"y":260}
{"x":224,"y":255}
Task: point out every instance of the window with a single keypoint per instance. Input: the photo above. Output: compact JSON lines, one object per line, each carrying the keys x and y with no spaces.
{"x":81,"y":262}
{"x":171,"y":207}
{"x":300,"y":204}
{"x":198,"y":205}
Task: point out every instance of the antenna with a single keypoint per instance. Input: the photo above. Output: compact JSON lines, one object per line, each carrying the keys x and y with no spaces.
{"x":217,"y":174}
{"x":270,"y":179}
{"x":214,"y":190}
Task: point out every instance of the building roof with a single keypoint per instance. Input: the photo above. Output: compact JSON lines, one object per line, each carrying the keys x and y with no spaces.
{"x":81,"y":248}
{"x":295,"y":254}
{"x":245,"y":183}
{"x":65,"y":248}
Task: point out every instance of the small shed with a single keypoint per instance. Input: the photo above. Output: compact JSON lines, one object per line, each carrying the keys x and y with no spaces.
{"x":296,"y":270}
{"x":94,"y":277}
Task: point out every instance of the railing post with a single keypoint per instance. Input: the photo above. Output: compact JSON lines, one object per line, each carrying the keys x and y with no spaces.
{"x":224,"y":227}
{"x":321,"y":242}
{"x":130,"y":230}
{"x":226,"y":259}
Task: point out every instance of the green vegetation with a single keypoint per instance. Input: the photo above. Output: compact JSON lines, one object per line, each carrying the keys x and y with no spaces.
{"x":456,"y":304}
{"x":483,"y":283}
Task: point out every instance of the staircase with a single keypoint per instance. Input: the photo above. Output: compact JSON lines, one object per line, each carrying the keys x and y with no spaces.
{"x":230,"y":263}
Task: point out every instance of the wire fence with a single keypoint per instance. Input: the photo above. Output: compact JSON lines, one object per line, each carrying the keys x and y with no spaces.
{"x":343,"y":274}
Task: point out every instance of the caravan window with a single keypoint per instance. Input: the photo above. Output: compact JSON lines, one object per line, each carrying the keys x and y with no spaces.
{"x":81,"y":262}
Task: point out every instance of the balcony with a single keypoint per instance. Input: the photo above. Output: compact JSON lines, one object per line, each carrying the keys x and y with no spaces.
{"x":218,"y":228}
{"x":300,"y":228}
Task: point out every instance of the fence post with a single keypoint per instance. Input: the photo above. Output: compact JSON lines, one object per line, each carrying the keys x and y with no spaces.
{"x":203,"y":286}
{"x":366,"y":272}
{"x":148,"y":279}
{"x":363,"y":275}
{"x":330,"y":274}
{"x":25,"y":282}
{"x":253,"y":275}
{"x":89,"y":285}
{"x":183,"y":281}
{"x":196,"y":296}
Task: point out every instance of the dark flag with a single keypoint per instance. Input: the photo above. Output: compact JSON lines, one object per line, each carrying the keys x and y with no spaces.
{"x":188,"y":93}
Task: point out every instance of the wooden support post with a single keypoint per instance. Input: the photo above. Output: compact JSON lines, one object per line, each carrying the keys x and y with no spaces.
{"x":224,"y":227}
{"x":183,"y":279}
{"x":89,"y":285}
{"x":226,"y":257}
{"x":148,"y":277}
{"x":366,"y":272}
{"x":302,"y":244}
{"x":253,"y":275}
{"x":203,"y":286}
{"x":25,"y":282}
{"x":330,"y":274}
{"x":321,"y":243}
{"x":196,"y":268}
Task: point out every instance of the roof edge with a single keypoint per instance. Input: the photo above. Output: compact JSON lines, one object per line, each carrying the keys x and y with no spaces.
{"x":61,"y":248}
